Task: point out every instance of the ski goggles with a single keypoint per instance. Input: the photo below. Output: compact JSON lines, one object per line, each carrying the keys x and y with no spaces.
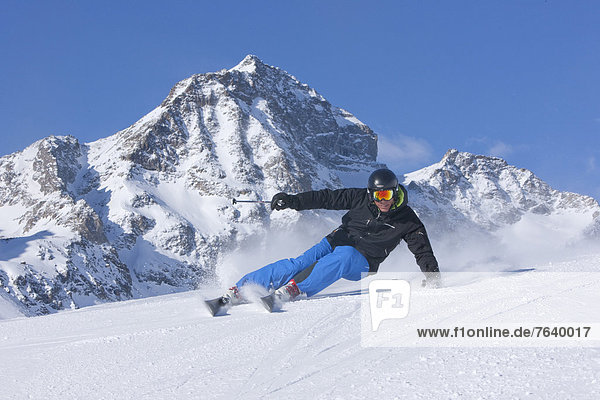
{"x":381,"y":195}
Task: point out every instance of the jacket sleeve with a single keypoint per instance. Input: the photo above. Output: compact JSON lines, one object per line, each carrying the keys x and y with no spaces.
{"x":340,"y":199}
{"x":418,"y":244}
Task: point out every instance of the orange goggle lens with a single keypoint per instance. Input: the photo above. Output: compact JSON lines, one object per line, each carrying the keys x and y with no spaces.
{"x":383,"y":195}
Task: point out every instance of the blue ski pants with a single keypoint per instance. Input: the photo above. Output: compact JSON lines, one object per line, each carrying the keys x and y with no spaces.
{"x":342,"y":262}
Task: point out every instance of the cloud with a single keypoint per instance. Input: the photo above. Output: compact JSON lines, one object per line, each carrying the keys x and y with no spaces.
{"x":500,"y":149}
{"x":400,"y":152}
{"x":591,"y":164}
{"x":492,"y":147}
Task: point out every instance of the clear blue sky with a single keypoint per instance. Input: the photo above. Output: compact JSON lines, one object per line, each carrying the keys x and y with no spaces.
{"x":517,"y":79}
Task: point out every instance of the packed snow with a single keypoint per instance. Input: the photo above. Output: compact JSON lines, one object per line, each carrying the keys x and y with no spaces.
{"x":169,"y":346}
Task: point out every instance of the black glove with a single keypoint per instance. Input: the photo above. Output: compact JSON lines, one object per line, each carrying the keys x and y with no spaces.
{"x":432,"y":280}
{"x":281,"y":201}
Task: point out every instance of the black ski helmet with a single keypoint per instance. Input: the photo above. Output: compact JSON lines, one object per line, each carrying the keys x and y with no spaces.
{"x":382,"y":179}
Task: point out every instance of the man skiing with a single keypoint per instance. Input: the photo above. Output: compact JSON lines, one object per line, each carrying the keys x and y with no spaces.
{"x":377,"y":220}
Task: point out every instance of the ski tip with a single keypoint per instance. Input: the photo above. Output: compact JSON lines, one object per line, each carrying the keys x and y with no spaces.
{"x":267,"y":302}
{"x":271,"y":303}
{"x":215,"y":307}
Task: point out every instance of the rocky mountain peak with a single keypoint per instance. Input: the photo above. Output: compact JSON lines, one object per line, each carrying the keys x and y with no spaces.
{"x":468,"y":162}
{"x":269,"y":126}
{"x":250,"y":64}
{"x":465,"y":189}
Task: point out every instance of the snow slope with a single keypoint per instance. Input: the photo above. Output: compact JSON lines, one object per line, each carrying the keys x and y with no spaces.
{"x":168,"y":347}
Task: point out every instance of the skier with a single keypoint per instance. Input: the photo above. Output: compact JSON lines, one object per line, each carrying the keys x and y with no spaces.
{"x":377,"y":220}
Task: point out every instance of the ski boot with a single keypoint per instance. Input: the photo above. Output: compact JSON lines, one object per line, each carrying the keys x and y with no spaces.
{"x":288,"y":292}
{"x":220,"y":305}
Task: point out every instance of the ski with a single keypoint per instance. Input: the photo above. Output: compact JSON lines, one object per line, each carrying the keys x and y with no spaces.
{"x":218,"y":306}
{"x":269,"y":302}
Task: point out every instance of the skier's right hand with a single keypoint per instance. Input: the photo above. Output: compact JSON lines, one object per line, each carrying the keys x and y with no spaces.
{"x":281,"y":201}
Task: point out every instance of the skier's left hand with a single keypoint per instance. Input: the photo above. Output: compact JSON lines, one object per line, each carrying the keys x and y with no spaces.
{"x":433,"y":280}
{"x":281,"y":201}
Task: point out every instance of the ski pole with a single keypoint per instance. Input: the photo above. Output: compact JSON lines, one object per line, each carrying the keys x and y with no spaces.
{"x":235,"y":201}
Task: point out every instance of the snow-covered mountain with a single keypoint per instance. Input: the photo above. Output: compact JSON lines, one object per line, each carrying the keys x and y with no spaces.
{"x":487,"y":194}
{"x":485,"y":214}
{"x":148,"y":210}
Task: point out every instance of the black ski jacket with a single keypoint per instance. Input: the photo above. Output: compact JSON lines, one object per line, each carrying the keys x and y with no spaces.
{"x":372,"y":232}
